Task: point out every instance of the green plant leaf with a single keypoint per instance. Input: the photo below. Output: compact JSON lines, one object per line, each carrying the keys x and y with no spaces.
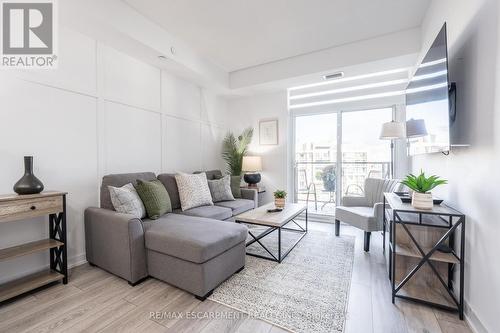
{"x":279,"y":194}
{"x":233,"y":150}
{"x":421,"y":183}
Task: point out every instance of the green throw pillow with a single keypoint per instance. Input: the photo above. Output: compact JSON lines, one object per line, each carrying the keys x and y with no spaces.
{"x":235,"y":186}
{"x":155,"y":198}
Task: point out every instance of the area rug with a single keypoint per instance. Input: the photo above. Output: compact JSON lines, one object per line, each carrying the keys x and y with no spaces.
{"x":307,"y":292}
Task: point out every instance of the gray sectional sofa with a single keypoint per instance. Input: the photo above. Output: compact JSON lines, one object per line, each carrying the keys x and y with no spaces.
{"x":195,"y":250}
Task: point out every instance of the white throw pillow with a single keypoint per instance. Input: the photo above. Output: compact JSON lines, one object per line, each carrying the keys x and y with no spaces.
{"x":193,"y":190}
{"x":221,"y":189}
{"x":126,"y":200}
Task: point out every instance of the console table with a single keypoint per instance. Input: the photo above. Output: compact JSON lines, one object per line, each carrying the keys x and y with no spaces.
{"x":16,"y":208}
{"x":417,"y":270}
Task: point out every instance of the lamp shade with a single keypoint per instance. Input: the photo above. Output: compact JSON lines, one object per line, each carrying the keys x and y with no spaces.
{"x":252,"y":163}
{"x":392,"y":130}
{"x":416,"y":128}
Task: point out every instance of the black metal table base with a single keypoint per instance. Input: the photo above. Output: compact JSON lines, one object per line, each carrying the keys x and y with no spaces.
{"x":426,"y":255}
{"x":57,"y":231}
{"x":281,"y":255}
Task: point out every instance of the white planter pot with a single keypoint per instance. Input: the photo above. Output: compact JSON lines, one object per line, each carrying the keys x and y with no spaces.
{"x":422,"y":200}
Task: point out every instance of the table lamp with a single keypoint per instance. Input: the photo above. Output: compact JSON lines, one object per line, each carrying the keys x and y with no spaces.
{"x":251,"y":165}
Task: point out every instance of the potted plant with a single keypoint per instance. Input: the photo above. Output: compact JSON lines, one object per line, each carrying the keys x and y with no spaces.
{"x":279,"y":198}
{"x":421,"y":187}
{"x":233,"y":150}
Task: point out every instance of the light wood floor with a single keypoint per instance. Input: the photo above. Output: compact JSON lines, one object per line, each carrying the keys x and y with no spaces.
{"x":98,"y":301}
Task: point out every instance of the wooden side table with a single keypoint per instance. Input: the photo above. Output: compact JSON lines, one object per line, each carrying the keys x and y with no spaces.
{"x":260,"y":192}
{"x":419,"y":272}
{"x":15,"y":207}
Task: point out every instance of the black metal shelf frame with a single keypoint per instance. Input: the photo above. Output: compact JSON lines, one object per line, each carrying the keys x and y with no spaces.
{"x":453,"y":222}
{"x":57,"y":231}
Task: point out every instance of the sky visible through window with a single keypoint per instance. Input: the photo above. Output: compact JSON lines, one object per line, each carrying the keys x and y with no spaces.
{"x":363,"y":153}
{"x":360,"y":132}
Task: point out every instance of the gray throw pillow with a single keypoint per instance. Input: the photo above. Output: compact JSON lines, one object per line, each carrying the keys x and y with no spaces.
{"x":221,"y":189}
{"x":126,"y":200}
{"x":193,"y":190}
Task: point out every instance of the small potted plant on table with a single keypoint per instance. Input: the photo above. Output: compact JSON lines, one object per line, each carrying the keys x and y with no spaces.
{"x":279,"y":198}
{"x":422,"y":186}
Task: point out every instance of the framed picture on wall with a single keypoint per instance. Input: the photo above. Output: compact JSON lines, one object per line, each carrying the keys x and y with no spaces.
{"x":268,"y":132}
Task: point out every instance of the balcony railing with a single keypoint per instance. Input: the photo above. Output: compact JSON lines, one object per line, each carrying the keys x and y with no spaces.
{"x":317,"y":182}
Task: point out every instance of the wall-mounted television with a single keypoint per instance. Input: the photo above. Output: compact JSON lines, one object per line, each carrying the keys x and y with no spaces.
{"x":428,"y":101}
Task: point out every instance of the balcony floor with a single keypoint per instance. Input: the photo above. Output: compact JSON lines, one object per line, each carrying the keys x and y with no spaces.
{"x":327,"y":209}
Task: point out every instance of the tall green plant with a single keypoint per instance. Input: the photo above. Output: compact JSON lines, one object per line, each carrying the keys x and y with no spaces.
{"x":234,"y":148}
{"x":421,"y":183}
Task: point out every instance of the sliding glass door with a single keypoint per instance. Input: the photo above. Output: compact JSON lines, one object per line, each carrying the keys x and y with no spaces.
{"x":315,"y":166}
{"x":335,"y":152}
{"x":363,"y":153}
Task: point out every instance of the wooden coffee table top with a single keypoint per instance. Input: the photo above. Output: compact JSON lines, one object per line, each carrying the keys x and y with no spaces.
{"x":262,"y":217}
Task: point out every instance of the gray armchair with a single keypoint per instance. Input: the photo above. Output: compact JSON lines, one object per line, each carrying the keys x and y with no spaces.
{"x":366,"y":212}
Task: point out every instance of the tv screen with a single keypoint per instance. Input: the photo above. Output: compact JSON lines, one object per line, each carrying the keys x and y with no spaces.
{"x":427,"y":101}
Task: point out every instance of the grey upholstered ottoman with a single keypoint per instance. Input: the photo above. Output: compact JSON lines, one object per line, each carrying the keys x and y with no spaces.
{"x":192,"y":253}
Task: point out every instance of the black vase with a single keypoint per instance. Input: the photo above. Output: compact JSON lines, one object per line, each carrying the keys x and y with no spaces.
{"x":252,"y":179}
{"x":28,"y":184}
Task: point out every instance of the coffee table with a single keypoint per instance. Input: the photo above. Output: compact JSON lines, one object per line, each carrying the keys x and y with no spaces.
{"x":274,"y":221}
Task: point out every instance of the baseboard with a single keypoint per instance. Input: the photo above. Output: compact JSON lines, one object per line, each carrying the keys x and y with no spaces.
{"x":473,"y":321}
{"x":77,"y":260}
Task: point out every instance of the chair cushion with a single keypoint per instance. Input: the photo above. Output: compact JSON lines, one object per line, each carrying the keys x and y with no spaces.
{"x":212,"y":212}
{"x":193,"y":239}
{"x":238,"y":206}
{"x":359,"y":217}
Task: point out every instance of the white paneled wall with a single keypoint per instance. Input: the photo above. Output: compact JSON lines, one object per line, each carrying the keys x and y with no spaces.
{"x":180,"y":98}
{"x":129,"y":81}
{"x":100,"y":112}
{"x":132,"y":139}
{"x":187,"y":134}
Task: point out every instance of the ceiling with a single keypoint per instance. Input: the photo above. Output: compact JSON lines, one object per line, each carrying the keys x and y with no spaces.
{"x":237,"y":34}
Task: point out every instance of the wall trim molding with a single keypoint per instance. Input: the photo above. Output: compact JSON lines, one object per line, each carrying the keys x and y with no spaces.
{"x":473,"y":321}
{"x":54,"y":86}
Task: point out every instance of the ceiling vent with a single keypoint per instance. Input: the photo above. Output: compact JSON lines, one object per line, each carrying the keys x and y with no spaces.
{"x":334,"y":76}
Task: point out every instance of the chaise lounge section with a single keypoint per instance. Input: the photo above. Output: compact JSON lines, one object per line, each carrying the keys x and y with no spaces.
{"x":195,"y":250}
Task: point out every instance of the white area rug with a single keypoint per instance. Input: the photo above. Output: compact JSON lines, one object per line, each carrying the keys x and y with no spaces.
{"x":307,"y":292}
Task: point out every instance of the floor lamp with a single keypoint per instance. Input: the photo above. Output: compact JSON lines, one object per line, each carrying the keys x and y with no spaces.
{"x":391,"y":131}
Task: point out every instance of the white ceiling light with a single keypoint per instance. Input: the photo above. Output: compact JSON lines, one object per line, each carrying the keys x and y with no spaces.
{"x":370,"y":96}
{"x":353,"y":78}
{"x":349,"y":89}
